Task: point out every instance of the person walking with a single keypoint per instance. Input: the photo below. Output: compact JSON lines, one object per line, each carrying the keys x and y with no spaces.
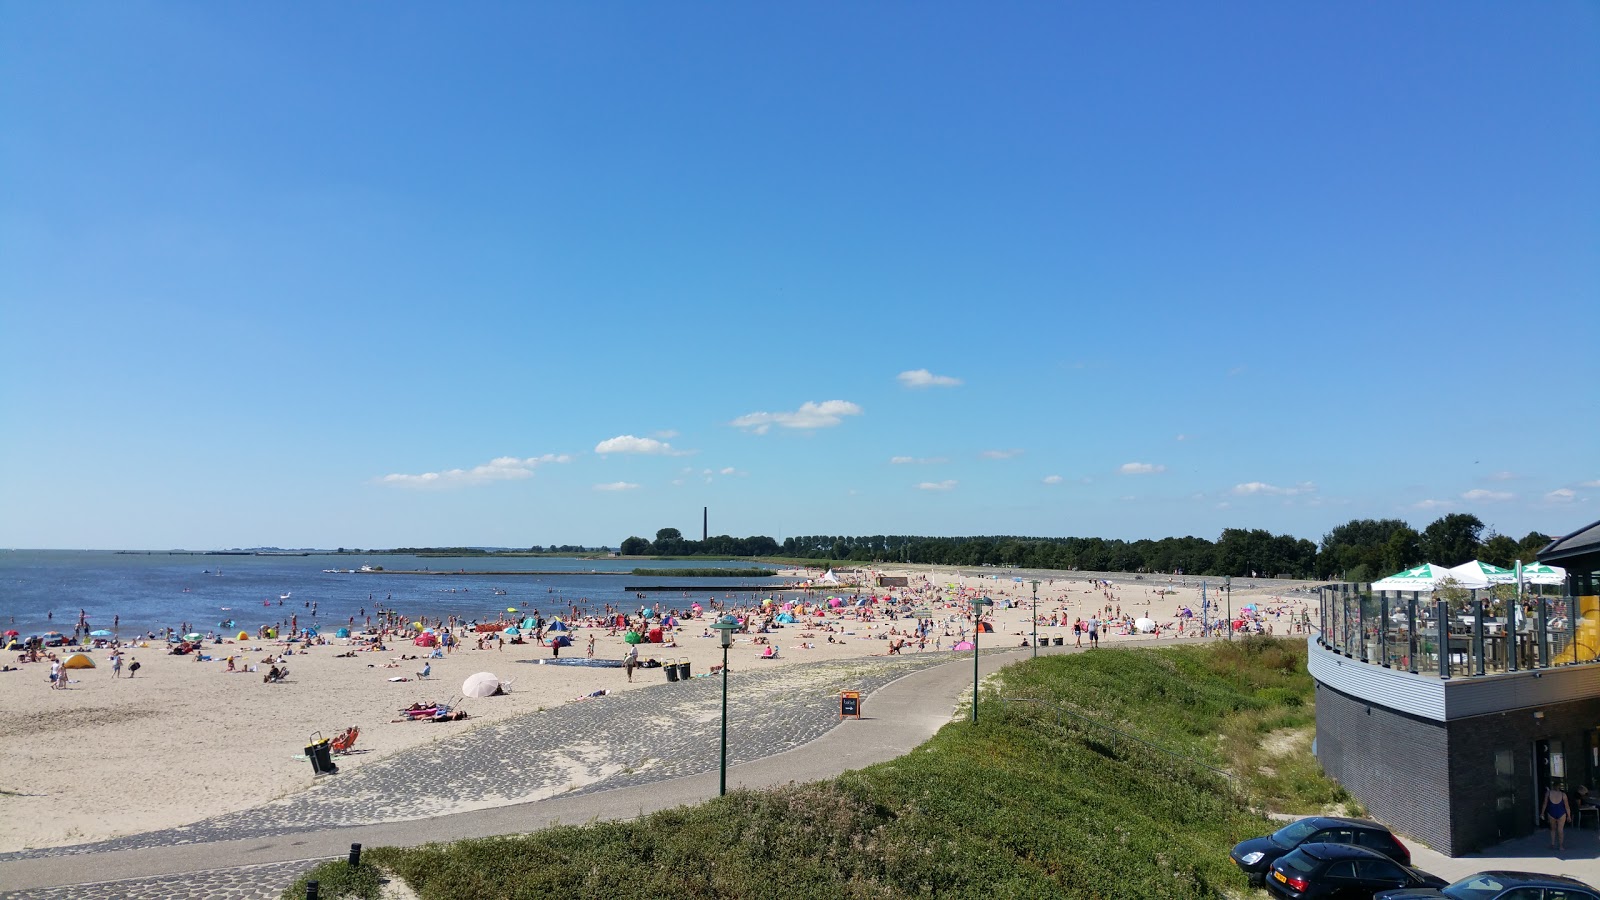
{"x":1557,"y":811}
{"x":116,"y":664}
{"x":630,"y":660}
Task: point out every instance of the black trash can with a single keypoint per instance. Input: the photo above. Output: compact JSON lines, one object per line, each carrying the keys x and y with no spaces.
{"x":1060,"y":641}
{"x":320,"y":752}
{"x":672,"y":671}
{"x":683,"y":670}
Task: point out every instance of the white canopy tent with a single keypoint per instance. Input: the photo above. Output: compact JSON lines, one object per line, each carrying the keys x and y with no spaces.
{"x":1479,"y":574}
{"x":1539,"y":573}
{"x":1423,"y":578}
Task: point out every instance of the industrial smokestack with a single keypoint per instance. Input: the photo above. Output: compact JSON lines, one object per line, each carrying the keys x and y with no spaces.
{"x":705,"y":522}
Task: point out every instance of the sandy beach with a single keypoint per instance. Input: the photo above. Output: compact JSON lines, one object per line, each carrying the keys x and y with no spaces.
{"x":186,"y":740}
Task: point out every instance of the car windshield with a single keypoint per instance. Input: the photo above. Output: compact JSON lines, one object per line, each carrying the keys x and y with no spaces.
{"x":1292,"y":834}
{"x":1474,"y":887}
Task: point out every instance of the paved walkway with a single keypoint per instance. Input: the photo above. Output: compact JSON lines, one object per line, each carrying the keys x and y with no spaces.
{"x":641,"y":751}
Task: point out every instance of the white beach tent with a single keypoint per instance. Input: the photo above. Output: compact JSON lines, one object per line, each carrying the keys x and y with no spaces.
{"x":1539,"y":573}
{"x":1423,"y":578}
{"x":1479,"y":574}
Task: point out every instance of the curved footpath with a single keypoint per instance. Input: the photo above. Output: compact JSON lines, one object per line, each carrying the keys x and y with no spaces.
{"x":897,"y":717}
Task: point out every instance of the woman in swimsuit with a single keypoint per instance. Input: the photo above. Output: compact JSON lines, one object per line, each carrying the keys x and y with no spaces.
{"x":1556,"y":811}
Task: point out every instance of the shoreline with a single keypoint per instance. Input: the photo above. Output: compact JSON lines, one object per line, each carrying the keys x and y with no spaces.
{"x":185,"y":740}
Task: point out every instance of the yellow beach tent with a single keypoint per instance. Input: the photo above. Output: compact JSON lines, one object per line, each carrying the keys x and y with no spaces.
{"x":244,"y":636}
{"x":78,"y":661}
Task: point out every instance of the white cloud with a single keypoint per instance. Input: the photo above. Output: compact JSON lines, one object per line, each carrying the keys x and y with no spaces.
{"x":1503,"y":476}
{"x":1432,"y":504}
{"x":1590,"y":484}
{"x":916,"y":460}
{"x":666,"y":435}
{"x":501,"y":468}
{"x":1477,"y":494}
{"x":727,"y":470}
{"x":627,"y":443}
{"x":826,"y":414}
{"x":1139,"y":468}
{"x":1560,"y":495}
{"x":1261,"y":487}
{"x":1000,"y":454}
{"x":616,"y":486}
{"x":1182,"y":437}
{"x":948,"y":484}
{"x":921,"y":378}
{"x":1052,"y":479}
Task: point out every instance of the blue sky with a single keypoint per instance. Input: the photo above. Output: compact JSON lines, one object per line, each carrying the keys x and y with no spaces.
{"x":380,"y":275}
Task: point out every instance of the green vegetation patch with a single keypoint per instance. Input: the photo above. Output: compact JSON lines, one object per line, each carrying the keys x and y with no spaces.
{"x":1037,"y":800}
{"x":706,"y":573}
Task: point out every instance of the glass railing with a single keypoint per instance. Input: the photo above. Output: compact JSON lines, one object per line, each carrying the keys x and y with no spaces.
{"x":1475,"y":633}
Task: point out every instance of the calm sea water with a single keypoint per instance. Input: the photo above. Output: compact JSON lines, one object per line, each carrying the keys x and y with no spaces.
{"x":150,"y":592}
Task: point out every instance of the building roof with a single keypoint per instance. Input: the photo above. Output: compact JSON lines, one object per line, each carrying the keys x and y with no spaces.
{"x":1583,"y":542}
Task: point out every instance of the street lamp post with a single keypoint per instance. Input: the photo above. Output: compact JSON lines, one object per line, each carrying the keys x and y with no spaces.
{"x":978,"y":603}
{"x":1035,"y":583}
{"x":1227,"y":589}
{"x":725,"y":627}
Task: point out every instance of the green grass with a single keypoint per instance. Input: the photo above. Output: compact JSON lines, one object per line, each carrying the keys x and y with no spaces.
{"x":1028,"y":803}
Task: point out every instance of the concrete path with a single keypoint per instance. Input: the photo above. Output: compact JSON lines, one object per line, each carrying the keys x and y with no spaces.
{"x":913,"y":698}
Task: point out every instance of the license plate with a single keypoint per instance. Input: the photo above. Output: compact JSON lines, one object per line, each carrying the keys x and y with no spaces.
{"x":1279,"y":875}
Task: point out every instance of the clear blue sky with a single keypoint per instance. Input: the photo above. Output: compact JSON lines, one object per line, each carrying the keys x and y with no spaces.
{"x":390,"y":274}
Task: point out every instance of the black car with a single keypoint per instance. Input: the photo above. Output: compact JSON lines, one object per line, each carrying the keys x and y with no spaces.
{"x":1502,"y":886}
{"x":1341,"y":872}
{"x":1256,"y":855}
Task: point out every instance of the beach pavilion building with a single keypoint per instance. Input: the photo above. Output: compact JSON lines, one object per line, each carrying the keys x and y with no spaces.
{"x":1447,"y":719}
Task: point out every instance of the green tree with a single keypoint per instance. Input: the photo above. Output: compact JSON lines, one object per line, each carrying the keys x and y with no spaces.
{"x":635,"y":546}
{"x":1453,"y":539}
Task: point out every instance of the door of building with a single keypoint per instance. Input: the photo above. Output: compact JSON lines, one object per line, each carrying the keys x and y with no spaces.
{"x":1508,"y":821}
{"x":1550,"y":765}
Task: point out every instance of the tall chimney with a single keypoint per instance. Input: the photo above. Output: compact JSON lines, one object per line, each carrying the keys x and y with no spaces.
{"x":705,"y":522}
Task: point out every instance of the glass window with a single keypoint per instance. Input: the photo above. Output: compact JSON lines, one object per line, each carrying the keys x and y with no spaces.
{"x":1344,"y":868}
{"x":1293,"y":834}
{"x":1377,"y":840}
{"x":1299,"y":862}
{"x":1380,"y":870}
{"x":1563,"y":894}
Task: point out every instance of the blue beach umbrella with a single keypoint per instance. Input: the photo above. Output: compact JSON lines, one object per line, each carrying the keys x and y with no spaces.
{"x":100,"y":632}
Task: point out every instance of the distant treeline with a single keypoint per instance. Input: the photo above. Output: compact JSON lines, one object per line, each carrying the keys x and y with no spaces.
{"x":706,"y":573}
{"x":1358,"y":550}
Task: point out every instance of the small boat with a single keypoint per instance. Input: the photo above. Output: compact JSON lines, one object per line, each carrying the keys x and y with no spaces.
{"x":285,"y":595}
{"x":499,"y":593}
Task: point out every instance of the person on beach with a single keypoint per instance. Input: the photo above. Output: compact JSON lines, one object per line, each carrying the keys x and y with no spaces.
{"x":1556,"y":809}
{"x":630,"y":660}
{"x":116,"y":664}
{"x":133,"y":667}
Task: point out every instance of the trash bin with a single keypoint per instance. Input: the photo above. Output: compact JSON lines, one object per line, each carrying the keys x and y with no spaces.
{"x":1060,"y":641}
{"x":672,"y":670}
{"x":320,"y":752}
{"x":683,"y":669}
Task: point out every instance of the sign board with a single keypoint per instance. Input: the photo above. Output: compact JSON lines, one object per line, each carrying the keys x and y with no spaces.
{"x":893,"y":581}
{"x":849,"y":704}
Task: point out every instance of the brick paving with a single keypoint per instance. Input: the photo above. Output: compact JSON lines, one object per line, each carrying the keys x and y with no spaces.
{"x":621,"y":740}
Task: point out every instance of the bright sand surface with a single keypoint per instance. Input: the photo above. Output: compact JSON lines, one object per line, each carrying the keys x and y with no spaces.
{"x":185,"y":740}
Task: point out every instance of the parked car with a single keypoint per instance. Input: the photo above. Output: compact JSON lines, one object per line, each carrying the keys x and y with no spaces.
{"x":1502,"y":886}
{"x":1255,"y":856}
{"x":1341,"y":872}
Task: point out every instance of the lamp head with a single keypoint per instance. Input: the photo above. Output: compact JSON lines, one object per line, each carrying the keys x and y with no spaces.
{"x":725,"y":627}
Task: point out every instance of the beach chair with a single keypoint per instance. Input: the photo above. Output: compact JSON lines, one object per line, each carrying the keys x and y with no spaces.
{"x":342,"y":743}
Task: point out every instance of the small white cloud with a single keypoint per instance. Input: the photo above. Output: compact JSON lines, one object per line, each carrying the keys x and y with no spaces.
{"x":826,"y":414}
{"x":727,"y":470}
{"x":617,"y":486}
{"x":1590,"y":484}
{"x":1261,"y":487}
{"x":921,"y":378}
{"x":1052,"y":479}
{"x":916,"y":460}
{"x":502,"y":468}
{"x":627,"y":443}
{"x":1181,"y":437}
{"x":948,"y":484}
{"x":1432,"y":504}
{"x":1503,"y":476}
{"x":1560,"y":495}
{"x":1001,"y":454}
{"x":1479,"y":494}
{"x":666,"y":435}
{"x":1139,"y":468}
